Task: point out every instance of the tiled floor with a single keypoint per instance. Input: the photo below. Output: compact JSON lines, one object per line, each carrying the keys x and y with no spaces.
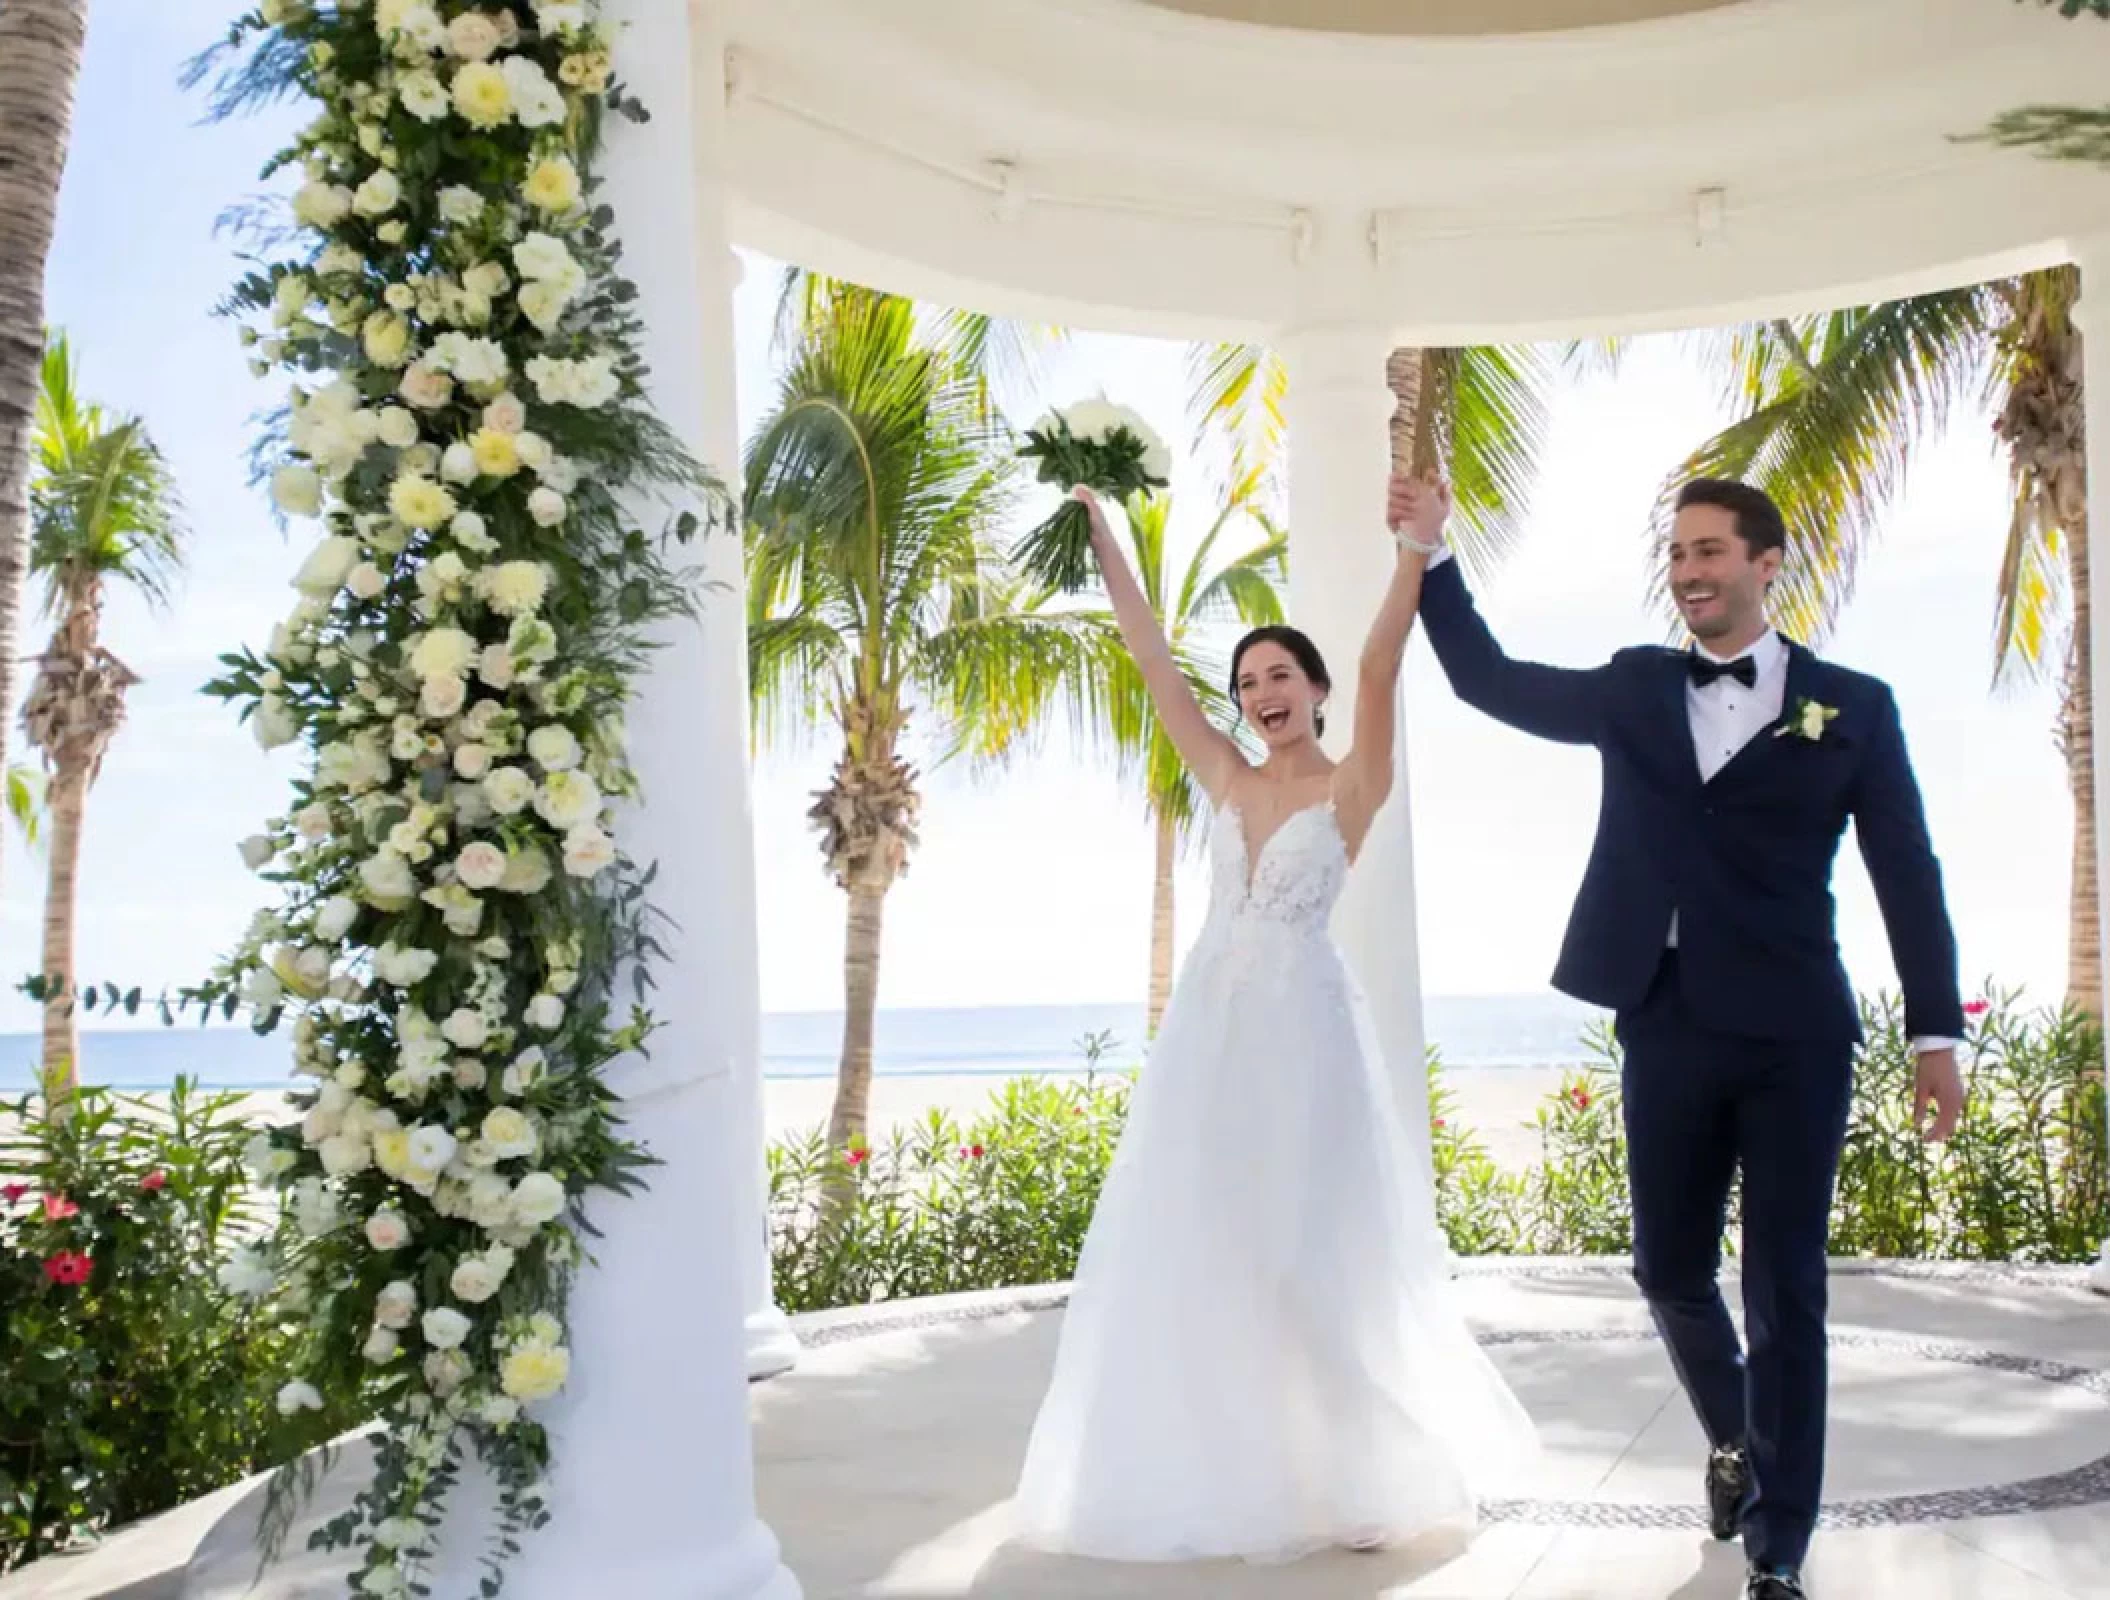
{"x":1970,"y":1461}
{"x":885,"y":1458}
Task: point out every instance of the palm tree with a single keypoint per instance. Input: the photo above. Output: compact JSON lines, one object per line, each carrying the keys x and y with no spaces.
{"x":1479,"y":410}
{"x":102,"y":508}
{"x":874,"y":491}
{"x":1186,"y":600}
{"x":1837,"y":406}
{"x":40,"y":58}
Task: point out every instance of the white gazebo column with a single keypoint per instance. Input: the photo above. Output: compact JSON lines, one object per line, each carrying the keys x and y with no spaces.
{"x":2092,"y":315}
{"x":652,"y":1476}
{"x":1340,"y":560}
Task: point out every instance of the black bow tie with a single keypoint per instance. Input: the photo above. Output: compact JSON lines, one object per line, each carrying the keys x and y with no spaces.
{"x":1705,"y":669}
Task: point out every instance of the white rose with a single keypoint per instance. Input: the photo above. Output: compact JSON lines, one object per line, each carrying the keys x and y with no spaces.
{"x":465,"y":1029}
{"x":568,"y":799}
{"x":402,"y":967}
{"x":336,"y":917}
{"x":431,"y":1148}
{"x":380,"y":1345}
{"x":509,"y":789}
{"x":445,"y":1328}
{"x":426,"y":387}
{"x":385,"y":336}
{"x":545,"y":1013}
{"x":275,"y":723}
{"x":442,"y":698}
{"x":315,"y":1210}
{"x":547,"y":507}
{"x":296,"y":489}
{"x":321,"y":205}
{"x":495,"y":666}
{"x":472,"y":761}
{"x":257,"y":851}
{"x":366,"y":581}
{"x":481,"y":865}
{"x":389,"y":883}
{"x":506,"y":414}
{"x":380,"y":194}
{"x":588,"y":851}
{"x":537,"y":102}
{"x":344,"y":1154}
{"x":538,"y":1198}
{"x":509,"y":1133}
{"x":398,"y":428}
{"x":487,"y":280}
{"x":461,"y":205}
{"x":396,"y":1304}
{"x":500,"y":1411}
{"x":423,"y":95}
{"x":553,"y":747}
{"x":296,"y":1397}
{"x":446,"y":1371}
{"x":527,"y":871}
{"x":327,"y":566}
{"x":482,"y":96}
{"x":473,"y":36}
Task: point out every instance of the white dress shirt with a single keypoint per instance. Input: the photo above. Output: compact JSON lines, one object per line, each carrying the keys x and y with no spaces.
{"x":1726,"y":716}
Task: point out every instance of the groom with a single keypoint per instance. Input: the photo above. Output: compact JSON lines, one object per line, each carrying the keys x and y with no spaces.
{"x":1705,"y":924}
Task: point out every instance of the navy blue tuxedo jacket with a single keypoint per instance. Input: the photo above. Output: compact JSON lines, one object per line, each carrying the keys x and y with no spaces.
{"x":1744,"y":859}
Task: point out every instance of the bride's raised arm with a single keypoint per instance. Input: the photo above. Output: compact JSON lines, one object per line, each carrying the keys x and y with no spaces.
{"x":1419,"y":511}
{"x":1206,"y":749}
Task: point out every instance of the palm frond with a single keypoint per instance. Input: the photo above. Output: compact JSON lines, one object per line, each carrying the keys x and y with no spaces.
{"x":103,"y":502}
{"x":1496,"y":425}
{"x":1236,"y":398}
{"x":1839,"y":405}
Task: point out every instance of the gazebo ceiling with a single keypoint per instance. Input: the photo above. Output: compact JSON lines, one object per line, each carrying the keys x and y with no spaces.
{"x":1426,"y":17}
{"x":1125,"y":165}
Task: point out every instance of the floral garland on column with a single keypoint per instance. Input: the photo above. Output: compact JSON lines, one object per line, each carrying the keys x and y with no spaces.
{"x":466,"y":417}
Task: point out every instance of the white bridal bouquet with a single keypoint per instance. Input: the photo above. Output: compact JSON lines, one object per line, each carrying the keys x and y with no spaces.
{"x":1108,"y":449}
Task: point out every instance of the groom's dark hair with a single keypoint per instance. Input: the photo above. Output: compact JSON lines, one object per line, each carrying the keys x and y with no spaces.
{"x":1758,"y":520}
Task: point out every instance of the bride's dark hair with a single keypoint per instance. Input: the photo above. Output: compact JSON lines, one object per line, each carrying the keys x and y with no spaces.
{"x":1302,"y":651}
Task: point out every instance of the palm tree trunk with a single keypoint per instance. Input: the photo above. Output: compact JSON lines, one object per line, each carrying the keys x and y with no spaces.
{"x":2084,"y":937}
{"x":1161,"y":921}
{"x":1415,"y":440}
{"x":40,"y":58}
{"x":62,"y":1032}
{"x":853,"y":1081}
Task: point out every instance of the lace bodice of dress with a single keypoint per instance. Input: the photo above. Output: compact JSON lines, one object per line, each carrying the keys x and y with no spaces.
{"x":1296,"y":880}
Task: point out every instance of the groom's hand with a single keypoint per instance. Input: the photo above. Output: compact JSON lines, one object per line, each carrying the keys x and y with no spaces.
{"x":1939,"y":1084}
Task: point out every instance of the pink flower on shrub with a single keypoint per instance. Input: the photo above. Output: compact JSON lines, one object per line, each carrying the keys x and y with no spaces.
{"x":68,"y":1267}
{"x":1438,"y":1123}
{"x":856,"y":1158}
{"x":13,"y":1192}
{"x":57,"y":1208}
{"x":1978,"y":1008}
{"x":154,"y":1180}
{"x":971,"y":1152}
{"x":1579,"y":1097}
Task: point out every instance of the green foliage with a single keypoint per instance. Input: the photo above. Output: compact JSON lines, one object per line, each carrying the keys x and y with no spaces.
{"x":146,"y":1383}
{"x":940,"y":1207}
{"x":1005,"y":1200}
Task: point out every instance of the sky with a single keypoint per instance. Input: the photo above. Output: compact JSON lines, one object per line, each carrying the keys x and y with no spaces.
{"x":1032,"y":886}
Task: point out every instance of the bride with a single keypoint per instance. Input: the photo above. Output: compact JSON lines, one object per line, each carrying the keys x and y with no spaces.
{"x":1262,"y":1356}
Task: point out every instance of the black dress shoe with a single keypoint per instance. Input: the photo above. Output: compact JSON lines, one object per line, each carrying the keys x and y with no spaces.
{"x":1776,"y":1583}
{"x":1728,"y":1490}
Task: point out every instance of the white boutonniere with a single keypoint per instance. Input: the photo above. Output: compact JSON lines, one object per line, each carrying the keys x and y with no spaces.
{"x":1807,"y":721}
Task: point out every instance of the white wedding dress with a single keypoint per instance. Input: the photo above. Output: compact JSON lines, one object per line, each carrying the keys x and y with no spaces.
{"x":1262,"y":1355}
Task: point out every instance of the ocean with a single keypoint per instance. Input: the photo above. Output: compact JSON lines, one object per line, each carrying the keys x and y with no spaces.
{"x":997,"y":1041}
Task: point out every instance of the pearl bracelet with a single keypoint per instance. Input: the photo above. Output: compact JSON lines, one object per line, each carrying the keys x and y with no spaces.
{"x":1405,"y":541}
